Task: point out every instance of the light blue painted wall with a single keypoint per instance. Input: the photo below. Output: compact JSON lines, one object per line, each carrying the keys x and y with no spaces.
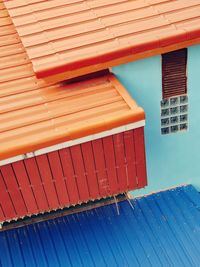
{"x":171,"y":159}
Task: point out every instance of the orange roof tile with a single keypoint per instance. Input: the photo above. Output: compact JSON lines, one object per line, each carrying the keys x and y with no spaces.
{"x":34,"y":115}
{"x":74,"y":37}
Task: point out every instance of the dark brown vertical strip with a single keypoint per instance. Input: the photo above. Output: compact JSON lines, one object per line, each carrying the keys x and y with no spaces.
{"x":174,"y":73}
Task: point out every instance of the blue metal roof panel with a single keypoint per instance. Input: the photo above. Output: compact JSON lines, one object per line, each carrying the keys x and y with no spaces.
{"x":163,"y":229}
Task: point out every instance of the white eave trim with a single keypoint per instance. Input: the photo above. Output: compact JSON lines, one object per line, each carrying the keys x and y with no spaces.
{"x":78,"y":141}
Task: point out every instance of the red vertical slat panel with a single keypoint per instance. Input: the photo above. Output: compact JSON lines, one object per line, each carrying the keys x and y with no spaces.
{"x":110,"y":164}
{"x":24,"y":183}
{"x":120,"y":161}
{"x":5,"y":201}
{"x":104,"y":189}
{"x":36,"y":183}
{"x":130,"y":159}
{"x":89,"y":163}
{"x":58,"y":175}
{"x":140,"y":157}
{"x":80,"y":173}
{"x":45,"y":173}
{"x":14,"y":190}
{"x":2,"y":217}
{"x":99,"y":168}
{"x":70,"y":179}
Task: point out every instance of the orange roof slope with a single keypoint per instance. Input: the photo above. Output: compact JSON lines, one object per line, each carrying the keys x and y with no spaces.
{"x":34,"y":115}
{"x":74,"y":37}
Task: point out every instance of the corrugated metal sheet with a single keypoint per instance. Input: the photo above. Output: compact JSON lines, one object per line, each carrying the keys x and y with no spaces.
{"x":84,"y":36}
{"x":34,"y":114}
{"x":92,"y":170}
{"x":174,"y":73}
{"x":162,"y":230}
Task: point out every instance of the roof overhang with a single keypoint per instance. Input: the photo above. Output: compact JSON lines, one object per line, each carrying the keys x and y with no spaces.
{"x":66,"y":40}
{"x":36,"y":115}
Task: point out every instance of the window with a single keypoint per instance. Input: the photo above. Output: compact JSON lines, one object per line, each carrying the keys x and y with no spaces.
{"x":174,"y":114}
{"x":174,"y":103}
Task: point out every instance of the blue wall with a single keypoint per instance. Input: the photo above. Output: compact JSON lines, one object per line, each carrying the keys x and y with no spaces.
{"x":171,"y":159}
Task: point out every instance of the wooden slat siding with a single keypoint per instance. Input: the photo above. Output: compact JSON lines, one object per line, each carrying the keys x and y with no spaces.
{"x":24,"y":183}
{"x":130,"y":159}
{"x":111,"y":164}
{"x":36,"y":183}
{"x":5,"y":200}
{"x":140,"y":157}
{"x":14,"y":190}
{"x":80,"y":173}
{"x":58,"y":176}
{"x":95,"y":169}
{"x":68,"y":171}
{"x":174,"y":73}
{"x":120,"y":161}
{"x":45,"y":173}
{"x":2,"y":217}
{"x":89,"y":163}
{"x":101,"y":167}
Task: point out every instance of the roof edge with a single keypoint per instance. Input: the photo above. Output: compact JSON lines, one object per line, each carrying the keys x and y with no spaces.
{"x":14,"y":156}
{"x":80,"y":68}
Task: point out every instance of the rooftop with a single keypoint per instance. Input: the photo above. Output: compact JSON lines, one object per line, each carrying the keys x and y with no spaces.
{"x":162,"y":229}
{"x":35,"y":114}
{"x":64,"y":39}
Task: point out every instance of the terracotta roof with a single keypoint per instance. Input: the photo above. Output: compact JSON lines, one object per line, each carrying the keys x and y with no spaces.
{"x":81,"y":36}
{"x":35,"y":115}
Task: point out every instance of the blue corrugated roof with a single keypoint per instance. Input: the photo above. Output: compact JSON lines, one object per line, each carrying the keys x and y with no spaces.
{"x":162,"y":230}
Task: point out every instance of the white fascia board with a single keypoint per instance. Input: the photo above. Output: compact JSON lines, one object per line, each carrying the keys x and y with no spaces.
{"x":78,"y":141}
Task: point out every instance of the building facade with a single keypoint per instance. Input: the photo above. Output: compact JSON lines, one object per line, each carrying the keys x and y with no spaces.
{"x":172,"y":159}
